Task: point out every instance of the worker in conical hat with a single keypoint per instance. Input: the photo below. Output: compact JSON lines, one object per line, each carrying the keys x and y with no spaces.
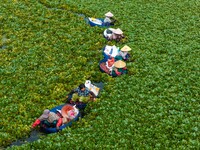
{"x":109,"y":20}
{"x":119,"y":68}
{"x":123,"y":53}
{"x":113,"y":34}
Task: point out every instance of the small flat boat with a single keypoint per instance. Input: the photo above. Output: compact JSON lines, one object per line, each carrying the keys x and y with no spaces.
{"x":68,"y":124}
{"x":97,"y":22}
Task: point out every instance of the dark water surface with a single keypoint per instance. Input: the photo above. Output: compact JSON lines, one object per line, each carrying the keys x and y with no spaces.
{"x":35,"y":135}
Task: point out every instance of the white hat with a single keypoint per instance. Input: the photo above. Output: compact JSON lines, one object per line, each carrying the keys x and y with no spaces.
{"x":118,"y":31}
{"x":119,"y":64}
{"x":109,"y":14}
{"x":125,"y":48}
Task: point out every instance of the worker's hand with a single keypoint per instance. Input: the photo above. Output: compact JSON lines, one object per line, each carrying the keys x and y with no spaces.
{"x":114,"y":20}
{"x":31,"y":128}
{"x":117,"y":72}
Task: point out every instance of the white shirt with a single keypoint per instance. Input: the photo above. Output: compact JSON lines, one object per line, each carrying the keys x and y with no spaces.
{"x":111,"y":50}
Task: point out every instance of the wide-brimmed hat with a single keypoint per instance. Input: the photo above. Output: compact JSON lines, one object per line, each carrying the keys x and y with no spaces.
{"x":46,"y":113}
{"x":119,"y":64}
{"x":65,"y":109}
{"x":109,"y":14}
{"x":125,"y":48}
{"x":118,"y":31}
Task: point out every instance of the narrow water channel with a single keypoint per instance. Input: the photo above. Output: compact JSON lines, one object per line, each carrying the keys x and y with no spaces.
{"x":35,"y":135}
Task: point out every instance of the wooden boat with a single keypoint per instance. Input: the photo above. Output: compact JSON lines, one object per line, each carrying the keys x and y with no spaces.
{"x":97,"y":22}
{"x":54,"y":130}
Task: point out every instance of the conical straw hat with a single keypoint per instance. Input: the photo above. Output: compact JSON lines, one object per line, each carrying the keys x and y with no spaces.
{"x":119,"y":64}
{"x":109,"y":14}
{"x":118,"y":31}
{"x":125,"y":48}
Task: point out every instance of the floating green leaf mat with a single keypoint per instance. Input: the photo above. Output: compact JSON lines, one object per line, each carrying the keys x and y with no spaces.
{"x":47,"y":53}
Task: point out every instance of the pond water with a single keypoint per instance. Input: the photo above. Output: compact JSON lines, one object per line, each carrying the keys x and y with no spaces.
{"x":35,"y":135}
{"x":78,"y":14}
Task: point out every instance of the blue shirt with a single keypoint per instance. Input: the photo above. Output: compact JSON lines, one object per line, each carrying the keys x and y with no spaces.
{"x":86,"y":92}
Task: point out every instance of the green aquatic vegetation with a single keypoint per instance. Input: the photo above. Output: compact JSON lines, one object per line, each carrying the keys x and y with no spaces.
{"x":49,"y":50}
{"x":75,"y":97}
{"x":83,"y":99}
